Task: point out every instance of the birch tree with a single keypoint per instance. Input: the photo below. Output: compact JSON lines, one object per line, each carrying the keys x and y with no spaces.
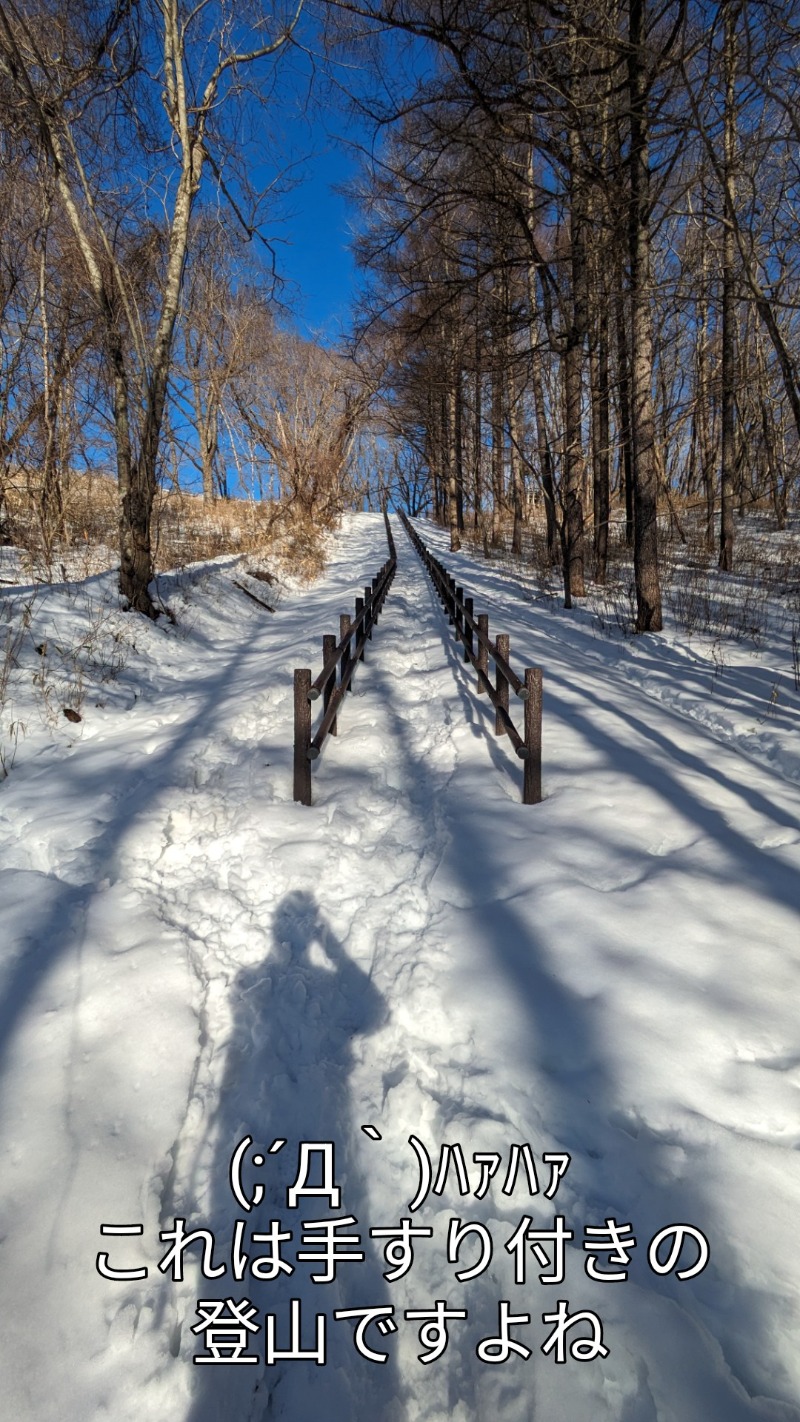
{"x":161,"y":78}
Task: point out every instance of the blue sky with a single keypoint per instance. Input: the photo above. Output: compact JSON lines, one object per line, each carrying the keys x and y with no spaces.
{"x":312,"y":243}
{"x":315,"y":133}
{"x":320,"y":128}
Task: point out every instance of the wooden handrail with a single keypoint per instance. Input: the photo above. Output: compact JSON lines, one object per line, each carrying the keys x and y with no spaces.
{"x":338,"y":656}
{"x":470,"y":630}
{"x":331,"y":663}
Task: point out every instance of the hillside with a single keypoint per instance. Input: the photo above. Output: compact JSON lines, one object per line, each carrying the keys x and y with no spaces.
{"x":190,"y":960}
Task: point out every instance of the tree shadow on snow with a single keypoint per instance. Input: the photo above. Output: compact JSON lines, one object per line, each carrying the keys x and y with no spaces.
{"x":620,"y":1167}
{"x":56,"y":920}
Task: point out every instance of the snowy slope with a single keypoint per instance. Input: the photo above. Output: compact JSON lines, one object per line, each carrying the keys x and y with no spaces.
{"x":191,"y":960}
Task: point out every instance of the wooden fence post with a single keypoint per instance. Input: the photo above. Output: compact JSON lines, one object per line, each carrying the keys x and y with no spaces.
{"x":329,"y":650}
{"x":459,"y":614}
{"x":359,"y":610}
{"x":479,"y":649}
{"x":468,"y":634}
{"x":344,"y":628}
{"x":532,"y":785}
{"x":368,"y":618}
{"x":501,"y":685}
{"x":483,"y":655}
{"x":302,"y":735}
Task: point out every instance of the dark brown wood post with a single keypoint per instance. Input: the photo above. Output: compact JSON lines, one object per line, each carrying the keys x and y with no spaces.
{"x":532,"y":785}
{"x":344,"y":628}
{"x":302,"y":735}
{"x":501,"y":685}
{"x":388,"y":580}
{"x":359,"y":610}
{"x":483,"y":655}
{"x":469,"y":640}
{"x":368,"y":618}
{"x":459,"y":614}
{"x":328,"y":651}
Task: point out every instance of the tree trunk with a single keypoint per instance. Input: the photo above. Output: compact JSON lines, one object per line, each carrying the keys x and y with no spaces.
{"x":544,"y":452}
{"x":477,"y":428}
{"x":645,"y":476}
{"x":498,"y":442}
{"x":624,"y":396}
{"x":601,"y":450}
{"x":458,"y":446}
{"x":728,"y":301}
{"x":515,"y":458}
{"x":704,"y":432}
{"x":574,"y":468}
{"x":449,"y":420}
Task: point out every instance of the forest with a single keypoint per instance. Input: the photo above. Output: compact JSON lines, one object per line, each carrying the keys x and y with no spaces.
{"x":576,"y":332}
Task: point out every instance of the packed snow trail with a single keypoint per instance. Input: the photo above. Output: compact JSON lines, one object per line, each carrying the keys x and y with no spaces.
{"x":192,"y":959}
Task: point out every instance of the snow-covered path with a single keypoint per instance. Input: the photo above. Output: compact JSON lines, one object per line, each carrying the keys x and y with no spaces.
{"x":191,"y":959}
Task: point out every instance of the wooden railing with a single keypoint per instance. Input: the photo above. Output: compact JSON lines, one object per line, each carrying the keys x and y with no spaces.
{"x":473,"y":633}
{"x":339,"y":660}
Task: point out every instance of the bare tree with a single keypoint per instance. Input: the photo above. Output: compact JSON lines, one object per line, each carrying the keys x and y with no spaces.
{"x":303,"y":406}
{"x":71,"y":82}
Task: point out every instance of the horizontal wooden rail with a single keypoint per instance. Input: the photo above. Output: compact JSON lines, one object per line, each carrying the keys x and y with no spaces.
{"x":339,"y":659}
{"x":473,"y":632}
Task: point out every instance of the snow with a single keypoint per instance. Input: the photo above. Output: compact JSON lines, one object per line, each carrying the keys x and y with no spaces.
{"x":190,"y":959}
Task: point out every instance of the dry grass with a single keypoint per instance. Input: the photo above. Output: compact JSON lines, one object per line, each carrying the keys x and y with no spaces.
{"x":186,"y":529}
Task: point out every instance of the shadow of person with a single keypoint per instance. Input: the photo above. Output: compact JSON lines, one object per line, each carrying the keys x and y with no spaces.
{"x":296,"y":1021}
{"x":319,"y":1001}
